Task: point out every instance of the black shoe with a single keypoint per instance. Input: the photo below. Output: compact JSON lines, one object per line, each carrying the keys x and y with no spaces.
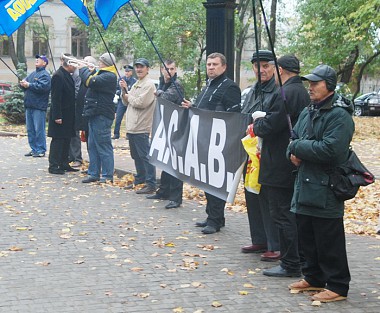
{"x":210,"y":230}
{"x":30,"y":153}
{"x":156,"y":196}
{"x":68,"y":168}
{"x":129,"y":187}
{"x":146,"y":190}
{"x":90,"y":180}
{"x":172,"y":205}
{"x":56,"y":171}
{"x":115,"y":137}
{"x":201,"y":224}
{"x":39,"y":155}
{"x":279,"y":271}
{"x":104,"y":180}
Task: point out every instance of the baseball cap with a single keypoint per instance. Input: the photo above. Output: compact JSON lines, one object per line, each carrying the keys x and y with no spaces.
{"x":142,"y":61}
{"x":289,"y":63}
{"x":42,"y":57}
{"x":264,"y":55}
{"x":323,"y":72}
{"x":128,"y":67}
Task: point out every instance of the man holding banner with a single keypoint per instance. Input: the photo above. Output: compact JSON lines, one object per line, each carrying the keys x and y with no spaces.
{"x":220,"y":94}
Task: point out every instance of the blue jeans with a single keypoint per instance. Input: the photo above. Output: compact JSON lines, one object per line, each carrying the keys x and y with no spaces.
{"x":35,"y":126}
{"x":139,"y":146}
{"x":100,"y":149}
{"x":120,"y":111}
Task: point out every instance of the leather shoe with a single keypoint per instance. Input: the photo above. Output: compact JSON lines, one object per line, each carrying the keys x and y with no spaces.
{"x":210,"y":230}
{"x":90,"y":179}
{"x":146,"y":190}
{"x":271,"y":256}
{"x":172,"y":205}
{"x":204,"y":223}
{"x":68,"y":168}
{"x":254,"y":249}
{"x":56,"y":171}
{"x":156,"y":196}
{"x":328,"y":296}
{"x":279,"y":271}
{"x":303,"y":285}
{"x":30,"y":153}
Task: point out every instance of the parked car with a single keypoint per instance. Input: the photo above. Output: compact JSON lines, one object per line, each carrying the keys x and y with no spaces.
{"x":5,"y":88}
{"x":361,"y":104}
{"x":374,"y":104}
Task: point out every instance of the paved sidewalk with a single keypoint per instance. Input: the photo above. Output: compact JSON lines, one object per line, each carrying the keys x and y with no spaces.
{"x":72,"y":247}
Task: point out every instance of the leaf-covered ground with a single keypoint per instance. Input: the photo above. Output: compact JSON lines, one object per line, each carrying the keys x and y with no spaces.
{"x":362,"y":212}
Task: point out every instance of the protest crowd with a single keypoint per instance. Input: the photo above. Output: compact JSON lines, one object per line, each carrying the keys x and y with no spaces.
{"x":293,"y":134}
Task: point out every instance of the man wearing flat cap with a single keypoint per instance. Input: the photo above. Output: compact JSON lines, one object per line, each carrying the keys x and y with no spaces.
{"x":120,"y":107}
{"x":140,"y":102}
{"x":324,"y":129}
{"x":264,"y":233}
{"x":276,"y":172}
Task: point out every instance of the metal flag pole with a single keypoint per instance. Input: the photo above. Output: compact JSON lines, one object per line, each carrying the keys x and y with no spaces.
{"x":155,"y":48}
{"x":19,"y":78}
{"x":47,"y":38}
{"x":292,"y":134}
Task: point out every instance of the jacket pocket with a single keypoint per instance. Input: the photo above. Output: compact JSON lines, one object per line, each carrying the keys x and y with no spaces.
{"x":313,"y":191}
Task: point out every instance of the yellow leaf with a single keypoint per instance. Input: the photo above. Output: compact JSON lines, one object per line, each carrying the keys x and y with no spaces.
{"x":216,"y":304}
{"x":15,"y":249}
{"x":178,"y":310}
{"x":136,"y":269}
{"x":316,"y":303}
{"x":243,"y":293}
{"x":248,"y":286}
{"x":169,"y":244}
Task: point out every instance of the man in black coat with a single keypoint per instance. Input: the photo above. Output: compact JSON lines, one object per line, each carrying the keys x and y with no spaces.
{"x":62,"y":118}
{"x":276,"y":172}
{"x":220,"y":94}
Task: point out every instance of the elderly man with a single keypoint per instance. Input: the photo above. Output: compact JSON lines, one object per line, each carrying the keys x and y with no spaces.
{"x":276,"y":172}
{"x":264,"y":233}
{"x":37,"y":88}
{"x":325,"y":129}
{"x":140,"y":102}
{"x":220,"y":94}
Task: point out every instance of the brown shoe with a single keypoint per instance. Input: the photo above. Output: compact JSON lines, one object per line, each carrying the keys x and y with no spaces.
{"x":254,"y":249}
{"x":303,"y":285}
{"x":271,"y":256}
{"x":327,"y":296}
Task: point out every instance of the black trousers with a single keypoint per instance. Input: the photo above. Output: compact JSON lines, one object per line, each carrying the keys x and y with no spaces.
{"x":215,"y":211}
{"x":170,"y":187}
{"x":278,"y":201}
{"x":59,"y":153}
{"x":323,"y":243}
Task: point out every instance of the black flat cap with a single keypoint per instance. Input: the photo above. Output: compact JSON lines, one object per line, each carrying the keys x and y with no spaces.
{"x":142,"y":61}
{"x":322,"y":72}
{"x":264,"y":55}
{"x":289,"y":63}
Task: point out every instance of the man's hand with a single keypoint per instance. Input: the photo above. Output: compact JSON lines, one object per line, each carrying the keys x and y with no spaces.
{"x":58,"y":121}
{"x":296,"y":161}
{"x":24,"y":84}
{"x":123,"y":84}
{"x":186,"y":103}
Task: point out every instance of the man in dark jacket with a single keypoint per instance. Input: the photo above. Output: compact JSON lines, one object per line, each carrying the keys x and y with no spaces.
{"x":170,"y":187}
{"x":325,"y":129}
{"x":62,"y":118}
{"x":276,"y":172}
{"x":264,"y":233}
{"x":100,"y":111}
{"x":220,"y":94}
{"x":120,"y":107}
{"x":37,"y":89}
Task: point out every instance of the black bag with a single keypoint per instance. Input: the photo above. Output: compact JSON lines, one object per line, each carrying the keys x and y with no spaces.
{"x":346,"y":178}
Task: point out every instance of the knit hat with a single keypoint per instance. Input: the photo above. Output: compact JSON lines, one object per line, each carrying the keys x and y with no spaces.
{"x":107,"y":59}
{"x":323,"y":72}
{"x":264,"y":55}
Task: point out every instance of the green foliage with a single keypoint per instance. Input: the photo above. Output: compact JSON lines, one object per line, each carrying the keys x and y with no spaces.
{"x":13,"y":108}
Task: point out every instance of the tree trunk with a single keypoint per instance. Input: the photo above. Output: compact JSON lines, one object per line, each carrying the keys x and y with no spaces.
{"x":361,"y":71}
{"x":348,"y":67}
{"x":12,"y":51}
{"x":272,"y":24}
{"x":20,"y":50}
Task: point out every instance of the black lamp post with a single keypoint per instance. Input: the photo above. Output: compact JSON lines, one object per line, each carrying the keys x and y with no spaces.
{"x":220,"y":30}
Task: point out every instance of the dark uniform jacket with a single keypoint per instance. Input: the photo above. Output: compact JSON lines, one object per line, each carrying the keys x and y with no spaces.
{"x":37,"y":95}
{"x":100,"y":93}
{"x":275,"y":169}
{"x":220,"y":94}
{"x":62,"y":105}
{"x":326,"y":145}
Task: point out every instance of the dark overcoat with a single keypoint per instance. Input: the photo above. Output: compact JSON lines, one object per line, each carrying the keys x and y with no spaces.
{"x":62,"y":105}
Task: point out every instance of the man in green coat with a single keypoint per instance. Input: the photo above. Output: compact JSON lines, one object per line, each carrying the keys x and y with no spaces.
{"x":324,"y":129}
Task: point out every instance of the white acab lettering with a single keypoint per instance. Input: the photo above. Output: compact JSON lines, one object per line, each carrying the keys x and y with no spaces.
{"x":216,"y":163}
{"x":191,"y":157}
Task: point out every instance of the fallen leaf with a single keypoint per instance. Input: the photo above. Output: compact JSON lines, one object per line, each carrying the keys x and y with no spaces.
{"x":316,"y":303}
{"x":216,"y":304}
{"x":178,"y":310}
{"x":14,"y":248}
{"x":136,"y":269}
{"x":248,"y":286}
{"x":109,"y":249}
{"x":243,"y":293}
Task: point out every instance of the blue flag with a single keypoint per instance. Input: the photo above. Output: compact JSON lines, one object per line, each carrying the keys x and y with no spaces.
{"x":13,"y":13}
{"x":2,"y":32}
{"x":79,"y":7}
{"x":106,"y":9}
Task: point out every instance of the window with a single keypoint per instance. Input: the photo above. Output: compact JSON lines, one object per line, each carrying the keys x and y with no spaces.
{"x":4,"y":45}
{"x":40,"y":45}
{"x":79,"y":43}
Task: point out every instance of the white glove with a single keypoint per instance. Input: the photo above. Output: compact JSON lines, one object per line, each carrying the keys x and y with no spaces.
{"x":116,"y":99}
{"x":258,"y":114}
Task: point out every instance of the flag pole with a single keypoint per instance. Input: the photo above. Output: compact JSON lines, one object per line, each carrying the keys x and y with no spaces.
{"x":47,"y":38}
{"x":19,"y":78}
{"x":155,"y":49}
